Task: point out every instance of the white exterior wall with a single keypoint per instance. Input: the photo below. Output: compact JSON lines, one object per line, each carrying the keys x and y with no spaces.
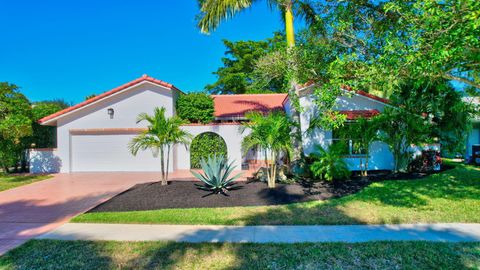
{"x":230,"y":133}
{"x":473,"y":138}
{"x":44,"y":161}
{"x":380,"y":155}
{"x":128,"y":104}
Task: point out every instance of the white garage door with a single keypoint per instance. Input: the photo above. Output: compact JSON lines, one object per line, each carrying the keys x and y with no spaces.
{"x":103,"y":153}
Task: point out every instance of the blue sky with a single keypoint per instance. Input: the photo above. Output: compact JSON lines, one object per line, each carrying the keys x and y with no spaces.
{"x":70,"y":49}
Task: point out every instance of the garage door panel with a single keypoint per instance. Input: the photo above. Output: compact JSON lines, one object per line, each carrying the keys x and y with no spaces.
{"x":93,"y":153}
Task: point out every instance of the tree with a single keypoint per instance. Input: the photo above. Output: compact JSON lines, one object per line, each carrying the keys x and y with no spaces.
{"x":90,"y":96}
{"x":400,"y":129}
{"x":15,"y":124}
{"x":44,"y":136}
{"x":237,"y":76}
{"x":212,"y":12}
{"x":195,"y":108}
{"x":160,"y":136}
{"x":269,"y":133}
{"x":363,"y":132}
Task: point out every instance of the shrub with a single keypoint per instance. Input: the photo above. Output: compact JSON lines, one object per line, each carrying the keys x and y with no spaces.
{"x":195,"y":108}
{"x":204,"y":145}
{"x":328,"y":164}
{"x":216,"y":175}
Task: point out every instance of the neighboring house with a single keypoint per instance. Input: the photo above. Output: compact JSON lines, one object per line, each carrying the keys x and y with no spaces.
{"x":474,"y":135}
{"x":93,"y":136}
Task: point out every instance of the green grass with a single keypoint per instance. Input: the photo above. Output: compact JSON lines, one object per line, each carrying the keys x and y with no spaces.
{"x":50,"y":254}
{"x":13,"y":181}
{"x":452,"y":196}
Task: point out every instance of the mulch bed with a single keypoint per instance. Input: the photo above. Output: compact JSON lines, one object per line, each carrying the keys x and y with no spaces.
{"x":153,"y":196}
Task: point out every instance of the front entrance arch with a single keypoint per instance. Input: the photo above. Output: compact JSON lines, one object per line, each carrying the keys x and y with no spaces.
{"x":205,"y":144}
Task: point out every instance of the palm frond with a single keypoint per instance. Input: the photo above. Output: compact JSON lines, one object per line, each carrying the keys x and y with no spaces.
{"x":212,"y":12}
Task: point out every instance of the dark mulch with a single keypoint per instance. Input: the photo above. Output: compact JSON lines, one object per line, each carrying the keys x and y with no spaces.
{"x":153,"y":196}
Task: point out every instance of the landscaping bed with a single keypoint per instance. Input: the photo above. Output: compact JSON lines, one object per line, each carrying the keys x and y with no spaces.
{"x":152,"y":196}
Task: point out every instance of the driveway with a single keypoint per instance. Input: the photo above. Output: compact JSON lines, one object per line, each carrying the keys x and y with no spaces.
{"x":31,"y":210}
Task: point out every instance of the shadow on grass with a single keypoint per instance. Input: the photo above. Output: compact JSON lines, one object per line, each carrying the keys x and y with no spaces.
{"x":48,"y":254}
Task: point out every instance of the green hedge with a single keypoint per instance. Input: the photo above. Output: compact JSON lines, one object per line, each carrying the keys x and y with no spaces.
{"x":195,"y":108}
{"x":206,"y":144}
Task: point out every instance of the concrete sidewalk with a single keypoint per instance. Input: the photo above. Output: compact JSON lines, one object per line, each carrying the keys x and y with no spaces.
{"x":455,"y":232}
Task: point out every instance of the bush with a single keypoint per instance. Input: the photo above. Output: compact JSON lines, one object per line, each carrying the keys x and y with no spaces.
{"x":204,"y":145}
{"x":195,"y":108}
{"x":329,"y":164}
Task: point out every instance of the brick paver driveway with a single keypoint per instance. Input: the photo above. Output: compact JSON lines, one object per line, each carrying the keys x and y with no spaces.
{"x":31,"y":210}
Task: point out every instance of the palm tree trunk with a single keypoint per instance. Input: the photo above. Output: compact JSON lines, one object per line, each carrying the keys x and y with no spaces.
{"x":162,"y":161}
{"x":292,"y":93}
{"x":168,"y":163}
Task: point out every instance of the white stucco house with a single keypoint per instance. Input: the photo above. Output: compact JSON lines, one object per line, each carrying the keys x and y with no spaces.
{"x":473,"y":138}
{"x":92,"y":136}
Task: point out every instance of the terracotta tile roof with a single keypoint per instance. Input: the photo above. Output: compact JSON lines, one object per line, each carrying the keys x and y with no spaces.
{"x":365,"y":94}
{"x":238,"y":105}
{"x":109,"y":93}
{"x":354,"y":114}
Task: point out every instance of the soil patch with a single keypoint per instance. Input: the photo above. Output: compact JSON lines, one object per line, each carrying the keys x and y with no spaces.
{"x":153,"y":196}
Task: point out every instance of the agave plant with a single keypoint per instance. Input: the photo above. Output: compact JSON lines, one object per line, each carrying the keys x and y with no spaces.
{"x":216,"y":175}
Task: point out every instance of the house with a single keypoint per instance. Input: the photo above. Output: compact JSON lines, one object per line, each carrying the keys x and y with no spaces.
{"x":92,"y":136}
{"x":473,"y":138}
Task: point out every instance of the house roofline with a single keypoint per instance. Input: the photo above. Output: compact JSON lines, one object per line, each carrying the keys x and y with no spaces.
{"x":125,"y":87}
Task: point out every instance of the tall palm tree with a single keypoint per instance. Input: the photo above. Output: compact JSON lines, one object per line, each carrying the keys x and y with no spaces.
{"x":160,"y":136}
{"x":213,"y":12}
{"x":270,"y":134}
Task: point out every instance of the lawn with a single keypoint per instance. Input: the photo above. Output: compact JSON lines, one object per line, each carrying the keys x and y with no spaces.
{"x":13,"y":181}
{"x":451,"y":196}
{"x":50,"y":254}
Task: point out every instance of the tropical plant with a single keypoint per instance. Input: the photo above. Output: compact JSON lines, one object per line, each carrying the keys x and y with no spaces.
{"x":400,"y":129}
{"x":195,"y":108}
{"x":204,"y":145}
{"x":15,"y":125}
{"x":44,"y":136}
{"x":216,"y":175}
{"x":160,"y":136}
{"x":328,"y":164}
{"x":212,"y":12}
{"x":271,"y":134}
{"x":363,"y":132}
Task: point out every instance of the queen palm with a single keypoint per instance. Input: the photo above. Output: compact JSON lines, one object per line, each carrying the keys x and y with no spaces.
{"x":160,"y":136}
{"x":212,"y":12}
{"x":270,"y":134}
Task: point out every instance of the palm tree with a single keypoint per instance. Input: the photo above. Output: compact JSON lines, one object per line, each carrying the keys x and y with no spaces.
{"x":161,"y":134}
{"x":212,"y":12}
{"x":270,"y":134}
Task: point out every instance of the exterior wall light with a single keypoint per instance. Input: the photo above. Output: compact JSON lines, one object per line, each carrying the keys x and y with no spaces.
{"x":111,"y":112}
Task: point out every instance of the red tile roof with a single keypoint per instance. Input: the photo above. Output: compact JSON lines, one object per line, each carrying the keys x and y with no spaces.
{"x":365,"y":94}
{"x":238,"y":105}
{"x":109,"y":93}
{"x":355,"y":114}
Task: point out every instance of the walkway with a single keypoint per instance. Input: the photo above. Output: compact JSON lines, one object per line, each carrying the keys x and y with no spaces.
{"x":456,"y":232}
{"x":29,"y":211}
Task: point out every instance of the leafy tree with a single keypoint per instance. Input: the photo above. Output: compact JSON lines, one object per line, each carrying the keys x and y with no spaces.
{"x":160,"y":136}
{"x":205,"y":145}
{"x":44,"y":136}
{"x":213,"y":12}
{"x":195,"y":108}
{"x":269,"y":133}
{"x":236,"y":76}
{"x":449,"y":115}
{"x":15,"y":124}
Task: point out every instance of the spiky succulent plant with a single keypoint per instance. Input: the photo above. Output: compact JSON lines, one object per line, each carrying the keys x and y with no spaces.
{"x":216,"y":175}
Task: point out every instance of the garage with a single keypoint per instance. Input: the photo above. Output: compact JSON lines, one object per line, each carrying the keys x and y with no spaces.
{"x":109,"y":152}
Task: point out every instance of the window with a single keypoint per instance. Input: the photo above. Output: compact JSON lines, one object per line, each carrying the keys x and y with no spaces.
{"x":351,"y":145}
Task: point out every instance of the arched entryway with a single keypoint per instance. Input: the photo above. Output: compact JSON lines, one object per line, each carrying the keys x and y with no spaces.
{"x":205,"y":144}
